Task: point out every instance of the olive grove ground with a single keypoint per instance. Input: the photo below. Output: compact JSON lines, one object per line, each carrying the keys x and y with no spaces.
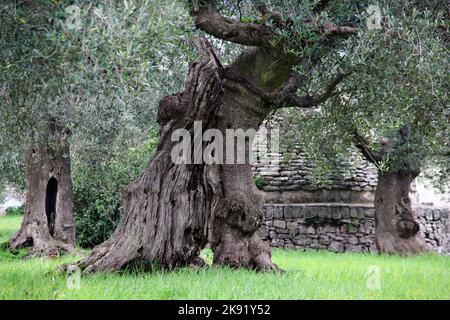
{"x":309,"y":275}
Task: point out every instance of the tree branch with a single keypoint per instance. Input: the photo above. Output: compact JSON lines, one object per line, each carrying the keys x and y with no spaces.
{"x":289,"y":99}
{"x":362,"y":144}
{"x":207,"y":18}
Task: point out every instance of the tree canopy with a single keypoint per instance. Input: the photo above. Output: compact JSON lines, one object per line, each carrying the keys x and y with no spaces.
{"x":395,"y":101}
{"x":94,"y":68}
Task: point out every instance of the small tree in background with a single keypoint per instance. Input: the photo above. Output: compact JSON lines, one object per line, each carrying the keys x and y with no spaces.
{"x":81,"y":77}
{"x":393,"y":108}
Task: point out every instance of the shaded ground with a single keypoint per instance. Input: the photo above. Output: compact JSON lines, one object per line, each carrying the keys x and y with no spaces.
{"x":310,"y":275}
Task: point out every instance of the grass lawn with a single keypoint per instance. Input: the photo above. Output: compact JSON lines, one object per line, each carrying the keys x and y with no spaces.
{"x":309,"y":275}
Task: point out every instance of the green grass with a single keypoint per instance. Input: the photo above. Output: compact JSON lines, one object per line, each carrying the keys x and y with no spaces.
{"x":309,"y":275}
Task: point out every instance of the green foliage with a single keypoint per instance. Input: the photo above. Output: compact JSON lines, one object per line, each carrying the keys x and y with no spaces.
{"x":99,"y":73}
{"x":98,"y":186}
{"x":100,"y":79}
{"x":15,"y":211}
{"x":397,"y":94}
{"x":260,"y":181}
{"x":251,"y":19}
{"x":287,"y":158}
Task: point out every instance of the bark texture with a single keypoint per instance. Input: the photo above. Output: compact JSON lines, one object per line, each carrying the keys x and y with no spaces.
{"x":48,"y":225}
{"x":173,"y":210}
{"x":397,"y":231}
{"x":396,"y":228}
{"x":167,"y":210}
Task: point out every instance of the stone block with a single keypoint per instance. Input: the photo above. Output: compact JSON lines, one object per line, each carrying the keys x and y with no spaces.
{"x":278,"y":212}
{"x":279,"y":243}
{"x":436,"y":214}
{"x":429,"y":214}
{"x":325,"y":240}
{"x":352,"y":248}
{"x":279,"y":224}
{"x":292,"y":225}
{"x":300,"y":242}
{"x":336,"y":246}
{"x":361,"y":213}
{"x":298,"y":211}
{"x":337,"y":214}
{"x":281,"y":231}
{"x":353,"y":240}
{"x":345,"y":212}
{"x":269,"y":211}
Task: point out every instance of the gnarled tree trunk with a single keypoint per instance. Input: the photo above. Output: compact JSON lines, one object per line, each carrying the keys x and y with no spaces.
{"x":397,"y":231}
{"x":167,"y":211}
{"x":396,"y":228}
{"x":173,"y":210}
{"x":48,"y":223}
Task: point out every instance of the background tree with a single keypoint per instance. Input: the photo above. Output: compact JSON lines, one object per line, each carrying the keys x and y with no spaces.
{"x":394,"y":109}
{"x":80,"y":76}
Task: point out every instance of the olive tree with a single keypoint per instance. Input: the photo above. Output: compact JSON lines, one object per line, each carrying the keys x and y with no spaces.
{"x":394,"y":109}
{"x":174,"y":209}
{"x":76,"y":75}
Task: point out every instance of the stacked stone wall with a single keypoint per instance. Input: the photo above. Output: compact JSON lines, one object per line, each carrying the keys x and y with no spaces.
{"x":343,"y":227}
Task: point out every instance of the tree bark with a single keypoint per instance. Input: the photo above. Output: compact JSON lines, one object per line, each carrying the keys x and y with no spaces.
{"x":48,"y":224}
{"x":397,"y":231}
{"x":167,"y":210}
{"x":173,"y":210}
{"x":396,"y":228}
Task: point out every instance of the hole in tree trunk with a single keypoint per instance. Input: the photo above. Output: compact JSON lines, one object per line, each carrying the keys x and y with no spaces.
{"x":50,"y":204}
{"x":28,"y":243}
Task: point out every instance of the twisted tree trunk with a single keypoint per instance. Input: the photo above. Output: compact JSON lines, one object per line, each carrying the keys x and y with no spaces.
{"x":173,"y":210}
{"x":397,"y":231}
{"x":396,"y":228}
{"x":48,"y":224}
{"x":167,"y":211}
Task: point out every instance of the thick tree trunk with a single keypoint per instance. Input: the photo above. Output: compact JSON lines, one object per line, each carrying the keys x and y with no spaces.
{"x":173,"y":210}
{"x":235,"y":241}
{"x":397,"y":231}
{"x":48,"y":224}
{"x":167,"y":211}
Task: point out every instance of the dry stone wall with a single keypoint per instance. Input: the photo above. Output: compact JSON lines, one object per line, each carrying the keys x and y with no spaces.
{"x":343,"y":227}
{"x":337,"y":216}
{"x":287,"y":167}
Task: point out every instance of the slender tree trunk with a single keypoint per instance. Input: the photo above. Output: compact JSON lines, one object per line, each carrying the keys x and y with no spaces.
{"x":397,"y":231}
{"x":48,"y":224}
{"x":173,"y":210}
